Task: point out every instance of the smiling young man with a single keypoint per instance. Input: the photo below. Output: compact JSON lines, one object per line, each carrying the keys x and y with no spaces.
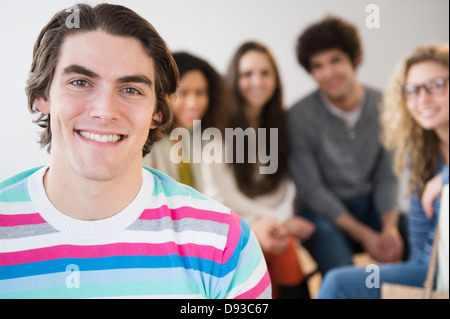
{"x":342,"y":172}
{"x":94,"y":223}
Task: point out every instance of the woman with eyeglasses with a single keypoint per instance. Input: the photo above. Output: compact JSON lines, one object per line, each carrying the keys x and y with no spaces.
{"x":415,"y":119}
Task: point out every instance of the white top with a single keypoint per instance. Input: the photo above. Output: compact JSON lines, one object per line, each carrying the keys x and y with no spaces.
{"x":443,"y":243}
{"x":220,"y":184}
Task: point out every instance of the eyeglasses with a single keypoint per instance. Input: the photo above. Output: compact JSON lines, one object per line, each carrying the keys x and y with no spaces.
{"x":433,"y":87}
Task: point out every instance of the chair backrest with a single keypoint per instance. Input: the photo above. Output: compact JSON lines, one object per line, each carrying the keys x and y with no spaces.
{"x":443,"y":243}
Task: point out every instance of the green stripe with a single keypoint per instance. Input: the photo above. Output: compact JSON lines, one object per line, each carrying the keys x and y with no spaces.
{"x":17,"y":178}
{"x":110,"y":290}
{"x":15,"y":195}
{"x":170,"y":187}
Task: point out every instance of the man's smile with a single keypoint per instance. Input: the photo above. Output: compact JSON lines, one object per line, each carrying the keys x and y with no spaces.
{"x":102,"y":138}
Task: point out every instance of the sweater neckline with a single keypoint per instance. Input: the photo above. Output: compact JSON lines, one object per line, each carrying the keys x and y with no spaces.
{"x":67,"y":224}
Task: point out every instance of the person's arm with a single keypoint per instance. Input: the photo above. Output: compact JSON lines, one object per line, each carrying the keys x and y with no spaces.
{"x":220,"y":184}
{"x":381,"y":247}
{"x":433,"y":189}
{"x":360,"y":232}
{"x":392,"y":244}
{"x":386,"y":186}
{"x":305,"y":170}
{"x":386,"y":189}
{"x":244,"y":270}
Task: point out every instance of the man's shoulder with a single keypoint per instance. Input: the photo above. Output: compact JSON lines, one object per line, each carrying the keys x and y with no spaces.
{"x":15,"y":186}
{"x":307,"y":112}
{"x":306,"y":104}
{"x":373,"y":94}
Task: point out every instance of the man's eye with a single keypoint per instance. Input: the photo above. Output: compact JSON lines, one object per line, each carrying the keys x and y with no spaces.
{"x":80,"y":83}
{"x":132,"y":91}
{"x":336,"y":60}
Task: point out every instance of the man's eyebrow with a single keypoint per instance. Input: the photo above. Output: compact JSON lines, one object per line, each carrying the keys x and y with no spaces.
{"x":80,"y":70}
{"x":136,"y":79}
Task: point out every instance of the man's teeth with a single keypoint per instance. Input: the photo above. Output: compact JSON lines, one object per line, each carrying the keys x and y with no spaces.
{"x":101,"y":138}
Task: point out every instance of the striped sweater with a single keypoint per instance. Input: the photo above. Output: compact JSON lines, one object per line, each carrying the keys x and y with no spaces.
{"x":421,"y":228}
{"x":170,"y":242}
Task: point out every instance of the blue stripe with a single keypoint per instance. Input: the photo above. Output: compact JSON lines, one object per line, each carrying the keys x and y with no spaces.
{"x":230,"y":265}
{"x":101,"y":277}
{"x":17,"y":178}
{"x":115,"y":262}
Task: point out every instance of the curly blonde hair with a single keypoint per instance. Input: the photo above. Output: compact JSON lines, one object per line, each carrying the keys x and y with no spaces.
{"x":413,"y":147}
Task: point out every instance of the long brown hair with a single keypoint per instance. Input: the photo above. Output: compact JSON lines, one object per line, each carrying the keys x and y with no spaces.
{"x":272,"y":116}
{"x":113,"y":19}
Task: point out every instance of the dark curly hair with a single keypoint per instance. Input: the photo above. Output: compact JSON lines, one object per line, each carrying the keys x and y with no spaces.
{"x":214,"y":116}
{"x":115,"y":20}
{"x":330,"y":33}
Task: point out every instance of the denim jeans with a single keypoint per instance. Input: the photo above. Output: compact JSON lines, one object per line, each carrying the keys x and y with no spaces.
{"x":364,"y":283}
{"x":331,"y":248}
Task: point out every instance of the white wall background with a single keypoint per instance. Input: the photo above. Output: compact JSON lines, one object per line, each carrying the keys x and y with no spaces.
{"x":213,"y":29}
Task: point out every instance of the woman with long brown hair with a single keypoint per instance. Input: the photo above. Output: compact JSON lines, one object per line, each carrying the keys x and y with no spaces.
{"x":265,"y":201}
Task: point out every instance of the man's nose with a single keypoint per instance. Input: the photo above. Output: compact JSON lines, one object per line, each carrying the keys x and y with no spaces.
{"x":105,"y":105}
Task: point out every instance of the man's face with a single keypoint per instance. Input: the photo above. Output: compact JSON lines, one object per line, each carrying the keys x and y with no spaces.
{"x":101,"y":104}
{"x":334,"y":73}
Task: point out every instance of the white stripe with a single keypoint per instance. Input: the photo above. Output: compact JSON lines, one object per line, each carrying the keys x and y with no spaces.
{"x":178,"y":201}
{"x":126,"y":236}
{"x":17,"y":208}
{"x":251,"y":282}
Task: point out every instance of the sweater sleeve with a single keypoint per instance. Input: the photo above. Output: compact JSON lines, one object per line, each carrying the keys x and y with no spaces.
{"x":305,"y":169}
{"x":386,"y":184}
{"x":444,"y":173}
{"x":244,"y":270}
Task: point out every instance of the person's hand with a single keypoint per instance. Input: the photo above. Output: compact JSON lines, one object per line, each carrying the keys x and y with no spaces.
{"x":371,"y":243}
{"x":432,"y":190}
{"x":392,"y":244}
{"x":272,"y":235}
{"x":300,"y":227}
{"x":386,"y":246}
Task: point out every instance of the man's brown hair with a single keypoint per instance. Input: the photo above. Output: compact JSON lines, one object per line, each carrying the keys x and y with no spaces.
{"x":330,"y":33}
{"x":116,"y":20}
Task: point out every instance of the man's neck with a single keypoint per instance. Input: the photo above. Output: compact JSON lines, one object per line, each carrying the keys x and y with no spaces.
{"x":86,"y":199}
{"x":350,"y":101}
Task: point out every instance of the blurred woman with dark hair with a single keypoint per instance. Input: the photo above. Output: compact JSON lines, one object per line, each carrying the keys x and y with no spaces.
{"x":265,"y":201}
{"x":200,"y":97}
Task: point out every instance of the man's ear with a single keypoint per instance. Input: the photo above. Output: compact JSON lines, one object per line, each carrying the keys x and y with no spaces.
{"x":43,"y":105}
{"x":156,"y":117}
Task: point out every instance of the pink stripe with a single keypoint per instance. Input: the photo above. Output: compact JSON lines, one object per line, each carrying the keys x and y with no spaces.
{"x":99,"y":251}
{"x":184,"y":212}
{"x":233,"y":237}
{"x":21,"y":219}
{"x":257,"y":290}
